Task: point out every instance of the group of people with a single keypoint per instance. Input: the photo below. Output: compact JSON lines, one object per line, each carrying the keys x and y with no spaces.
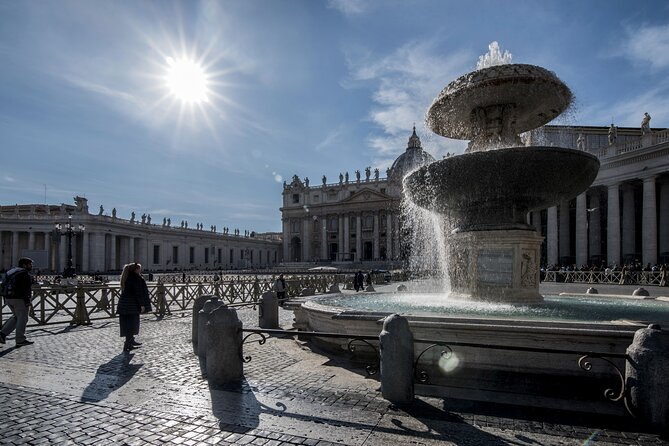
{"x":134,"y":301}
{"x":360,"y":279}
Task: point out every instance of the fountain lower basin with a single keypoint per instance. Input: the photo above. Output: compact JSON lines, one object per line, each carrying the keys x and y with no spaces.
{"x":488,"y":374}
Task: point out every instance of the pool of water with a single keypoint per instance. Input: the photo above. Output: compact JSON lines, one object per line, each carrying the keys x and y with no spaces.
{"x":597,"y":309}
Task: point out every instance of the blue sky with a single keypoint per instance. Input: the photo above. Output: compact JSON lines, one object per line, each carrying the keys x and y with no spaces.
{"x":301,"y":87}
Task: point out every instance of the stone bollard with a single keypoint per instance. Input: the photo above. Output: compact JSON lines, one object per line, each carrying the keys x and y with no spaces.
{"x":197,"y":306}
{"x":646,"y":377}
{"x":370,"y":288}
{"x":308,"y":292}
{"x":202,"y":318}
{"x":591,"y":290}
{"x":397,"y":358}
{"x":268,"y":312}
{"x":334,"y":288}
{"x":641,"y":291}
{"x":401,"y":288}
{"x":224,"y":347}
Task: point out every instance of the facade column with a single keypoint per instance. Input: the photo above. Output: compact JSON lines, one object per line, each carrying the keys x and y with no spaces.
{"x":396,"y":235}
{"x":306,"y":244}
{"x":629,"y":221}
{"x":112,"y":252}
{"x":358,"y":237}
{"x":595,"y":226}
{"x":552,"y":237}
{"x":324,"y":238}
{"x":649,"y":225}
{"x":286,"y":241}
{"x":85,"y":251}
{"x":347,"y":235}
{"x":613,"y":225}
{"x":389,"y":236}
{"x":2,"y":256}
{"x":62,"y":253}
{"x":564,"y":233}
{"x":664,"y":217}
{"x":14,"y":261}
{"x":376,"y":254}
{"x":340,"y":238}
{"x":31,"y":240}
{"x":581,"y":230}
{"x":131,"y":250}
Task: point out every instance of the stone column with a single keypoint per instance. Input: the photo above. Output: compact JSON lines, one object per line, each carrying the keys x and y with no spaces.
{"x":664,"y":217}
{"x":649,"y":229}
{"x":376,"y":241}
{"x":389,"y":236}
{"x":62,"y":254}
{"x":396,"y":235}
{"x":306,"y":243}
{"x":552,"y":237}
{"x":347,"y":235}
{"x":85,"y":252}
{"x":594,"y":225}
{"x":581,"y":230}
{"x":14,"y":261}
{"x":286,"y":239}
{"x":324,"y":238}
{"x":564,"y":234}
{"x":131,"y":249}
{"x":340,"y":236}
{"x":112,"y":252}
{"x":358,"y":237}
{"x":628,"y":228}
{"x":613,"y":226}
{"x":31,"y":240}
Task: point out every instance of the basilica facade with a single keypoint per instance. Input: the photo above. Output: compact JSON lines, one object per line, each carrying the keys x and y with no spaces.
{"x":354,"y":219}
{"x":102,"y":242}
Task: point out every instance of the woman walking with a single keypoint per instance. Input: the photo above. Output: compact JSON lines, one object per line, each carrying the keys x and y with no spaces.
{"x":134,"y":301}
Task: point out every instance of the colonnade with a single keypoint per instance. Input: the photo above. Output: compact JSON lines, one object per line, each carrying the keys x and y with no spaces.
{"x":621,"y":211}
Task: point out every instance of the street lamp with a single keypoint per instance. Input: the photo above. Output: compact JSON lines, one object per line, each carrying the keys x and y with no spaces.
{"x":68,"y":231}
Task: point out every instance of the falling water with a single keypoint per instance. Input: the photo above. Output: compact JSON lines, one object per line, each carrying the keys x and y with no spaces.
{"x":427,"y":253}
{"x":493,"y":57}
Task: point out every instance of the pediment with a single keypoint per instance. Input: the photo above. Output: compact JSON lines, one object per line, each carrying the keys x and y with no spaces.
{"x":366,"y":195}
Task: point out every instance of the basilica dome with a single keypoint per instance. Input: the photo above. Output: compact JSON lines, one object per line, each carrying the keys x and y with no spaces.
{"x":413,"y":158}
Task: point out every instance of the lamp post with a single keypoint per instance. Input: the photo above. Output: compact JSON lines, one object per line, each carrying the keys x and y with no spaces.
{"x":68,"y":230}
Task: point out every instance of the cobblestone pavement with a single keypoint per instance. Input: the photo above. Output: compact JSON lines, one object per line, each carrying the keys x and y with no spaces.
{"x":75,"y":386}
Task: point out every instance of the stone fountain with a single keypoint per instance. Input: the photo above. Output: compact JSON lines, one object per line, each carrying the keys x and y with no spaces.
{"x":486,"y":193}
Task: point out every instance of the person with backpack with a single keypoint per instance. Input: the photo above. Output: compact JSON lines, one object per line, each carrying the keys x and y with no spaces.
{"x":17,"y":291}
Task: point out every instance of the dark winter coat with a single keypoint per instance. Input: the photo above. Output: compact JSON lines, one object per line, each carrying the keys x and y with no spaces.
{"x":135,"y":294}
{"x":22,"y":284}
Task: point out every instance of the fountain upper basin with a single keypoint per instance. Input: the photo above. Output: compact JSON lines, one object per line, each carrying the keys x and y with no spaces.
{"x":495,"y":189}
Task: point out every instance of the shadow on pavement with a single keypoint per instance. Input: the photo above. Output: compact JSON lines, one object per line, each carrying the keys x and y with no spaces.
{"x":110,"y":376}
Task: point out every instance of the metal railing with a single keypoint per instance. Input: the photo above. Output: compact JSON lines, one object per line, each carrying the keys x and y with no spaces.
{"x":82,"y":303}
{"x":658,"y":278}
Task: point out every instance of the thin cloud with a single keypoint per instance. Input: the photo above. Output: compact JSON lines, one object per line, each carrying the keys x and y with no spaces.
{"x":648,"y":44}
{"x":329,"y":139}
{"x":103,"y":90}
{"x":349,"y":7}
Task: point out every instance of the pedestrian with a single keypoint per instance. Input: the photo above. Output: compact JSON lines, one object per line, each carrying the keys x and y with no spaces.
{"x":134,"y":301}
{"x":19,"y":302}
{"x":280,"y":288}
{"x":358,"y":281}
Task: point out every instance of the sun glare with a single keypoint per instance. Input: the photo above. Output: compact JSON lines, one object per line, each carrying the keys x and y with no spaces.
{"x":187,"y":80}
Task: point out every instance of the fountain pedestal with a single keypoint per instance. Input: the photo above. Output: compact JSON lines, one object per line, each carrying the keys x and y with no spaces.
{"x":495,"y":266}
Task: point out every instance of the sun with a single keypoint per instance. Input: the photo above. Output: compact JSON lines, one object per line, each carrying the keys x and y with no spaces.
{"x":187,"y":80}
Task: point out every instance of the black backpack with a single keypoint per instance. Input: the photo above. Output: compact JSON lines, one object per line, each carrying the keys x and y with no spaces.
{"x":7,"y":286}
